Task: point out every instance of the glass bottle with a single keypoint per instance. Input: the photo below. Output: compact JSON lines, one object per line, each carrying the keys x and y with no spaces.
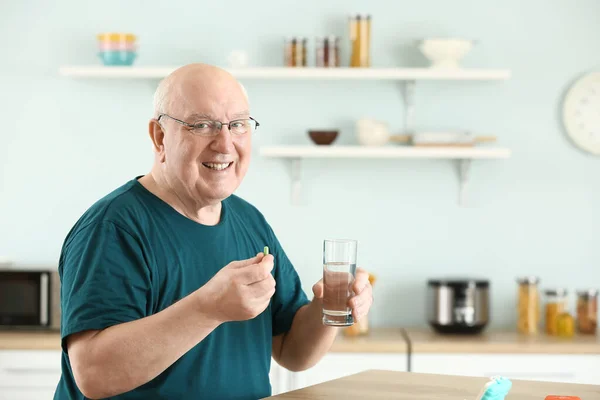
{"x":528,"y":305}
{"x":556,"y":304}
{"x":587,"y":311}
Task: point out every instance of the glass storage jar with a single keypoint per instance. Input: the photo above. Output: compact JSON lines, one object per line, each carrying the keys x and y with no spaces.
{"x":587,"y":311}
{"x":556,"y":304}
{"x":360,"y":39}
{"x":327,"y":51}
{"x":528,"y":305}
{"x":295,"y":52}
{"x":565,"y":325}
{"x":360,"y":327}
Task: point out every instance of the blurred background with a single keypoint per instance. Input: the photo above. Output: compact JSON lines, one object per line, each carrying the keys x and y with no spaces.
{"x":68,"y":142}
{"x":74,"y":129}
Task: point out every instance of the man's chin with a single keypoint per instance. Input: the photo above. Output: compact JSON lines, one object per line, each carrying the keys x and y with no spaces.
{"x":219,"y":193}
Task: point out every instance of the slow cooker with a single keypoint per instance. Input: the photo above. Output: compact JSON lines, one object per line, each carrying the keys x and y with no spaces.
{"x":459,"y":306}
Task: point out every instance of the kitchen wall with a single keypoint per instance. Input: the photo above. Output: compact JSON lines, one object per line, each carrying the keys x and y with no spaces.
{"x":67,"y":142}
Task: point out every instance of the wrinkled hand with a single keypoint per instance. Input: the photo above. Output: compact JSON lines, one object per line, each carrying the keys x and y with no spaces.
{"x":361,"y":302}
{"x":241,"y":290}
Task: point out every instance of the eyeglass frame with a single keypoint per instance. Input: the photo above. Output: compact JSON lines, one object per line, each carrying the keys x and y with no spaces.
{"x":217,"y":123}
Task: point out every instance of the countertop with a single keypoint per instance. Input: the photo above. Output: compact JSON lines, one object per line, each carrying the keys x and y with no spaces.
{"x":387,"y":340}
{"x":20,"y":340}
{"x":398,"y":340}
{"x":412,"y":386}
{"x":426,"y":341}
{"x":380,"y":340}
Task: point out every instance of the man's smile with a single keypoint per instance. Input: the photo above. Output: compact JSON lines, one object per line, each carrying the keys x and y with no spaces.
{"x":217,"y":166}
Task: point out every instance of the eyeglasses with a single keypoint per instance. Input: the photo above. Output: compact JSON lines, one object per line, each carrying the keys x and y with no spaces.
{"x":238,"y":127}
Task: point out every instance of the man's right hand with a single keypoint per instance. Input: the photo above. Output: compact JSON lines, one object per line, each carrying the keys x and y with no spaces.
{"x":241,"y":290}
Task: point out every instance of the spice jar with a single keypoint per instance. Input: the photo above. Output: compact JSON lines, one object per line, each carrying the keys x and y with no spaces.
{"x":528,"y":306}
{"x":587,"y":311}
{"x":295,"y":52}
{"x":360,"y":39}
{"x":556,"y":304}
{"x":328,"y":52}
{"x":361,"y":327}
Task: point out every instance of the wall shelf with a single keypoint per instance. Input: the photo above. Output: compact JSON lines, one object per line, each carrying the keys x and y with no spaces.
{"x":385,"y":152}
{"x":462,"y":155}
{"x":407,"y":77}
{"x":282,"y":73}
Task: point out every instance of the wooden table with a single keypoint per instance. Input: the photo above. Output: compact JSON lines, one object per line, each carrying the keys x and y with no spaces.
{"x":376,"y":384}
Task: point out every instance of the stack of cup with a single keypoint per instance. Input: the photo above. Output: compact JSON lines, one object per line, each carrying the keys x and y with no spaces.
{"x":117,"y":48}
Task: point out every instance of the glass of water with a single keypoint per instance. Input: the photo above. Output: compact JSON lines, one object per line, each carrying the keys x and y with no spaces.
{"x":339,"y":271}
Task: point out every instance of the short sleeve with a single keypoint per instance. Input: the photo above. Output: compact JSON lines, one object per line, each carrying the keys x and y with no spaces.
{"x":105,"y":280}
{"x":289,"y":296}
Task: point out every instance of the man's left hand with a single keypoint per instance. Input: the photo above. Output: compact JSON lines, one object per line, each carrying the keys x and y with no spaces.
{"x":361,"y":301}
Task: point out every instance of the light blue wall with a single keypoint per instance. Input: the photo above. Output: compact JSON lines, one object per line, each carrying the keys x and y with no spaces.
{"x":67,"y":142}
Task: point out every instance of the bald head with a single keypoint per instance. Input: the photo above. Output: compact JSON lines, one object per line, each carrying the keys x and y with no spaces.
{"x":174,"y":91}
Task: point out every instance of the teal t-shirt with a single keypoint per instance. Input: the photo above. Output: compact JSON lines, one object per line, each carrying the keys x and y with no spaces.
{"x":132,"y":255}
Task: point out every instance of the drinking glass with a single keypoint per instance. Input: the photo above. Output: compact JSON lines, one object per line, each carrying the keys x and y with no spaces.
{"x":339,"y":271}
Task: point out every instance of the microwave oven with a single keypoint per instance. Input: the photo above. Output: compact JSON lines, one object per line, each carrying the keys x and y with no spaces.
{"x":29,"y":299}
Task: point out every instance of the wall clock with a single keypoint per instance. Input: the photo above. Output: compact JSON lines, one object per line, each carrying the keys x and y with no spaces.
{"x":581,"y":113}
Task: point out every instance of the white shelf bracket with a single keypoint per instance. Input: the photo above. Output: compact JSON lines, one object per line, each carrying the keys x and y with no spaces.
{"x":408,"y":94}
{"x":296,"y":180}
{"x":464,"y":169}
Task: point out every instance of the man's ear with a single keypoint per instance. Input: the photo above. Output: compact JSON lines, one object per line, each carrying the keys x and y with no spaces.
{"x":157,"y":135}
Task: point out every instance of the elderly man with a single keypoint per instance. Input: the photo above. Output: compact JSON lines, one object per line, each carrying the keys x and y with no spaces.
{"x":163,"y":293}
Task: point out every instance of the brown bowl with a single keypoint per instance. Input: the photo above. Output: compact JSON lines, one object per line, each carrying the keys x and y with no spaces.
{"x":323,"y":137}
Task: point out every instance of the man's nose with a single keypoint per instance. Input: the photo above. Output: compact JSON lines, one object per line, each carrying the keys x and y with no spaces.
{"x":223,"y":141}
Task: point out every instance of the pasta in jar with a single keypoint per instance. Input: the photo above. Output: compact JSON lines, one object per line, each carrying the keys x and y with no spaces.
{"x":528,"y":305}
{"x":556,"y":304}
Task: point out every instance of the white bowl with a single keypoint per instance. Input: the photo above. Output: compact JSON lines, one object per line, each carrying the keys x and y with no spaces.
{"x":371,"y":132}
{"x":445,"y":53}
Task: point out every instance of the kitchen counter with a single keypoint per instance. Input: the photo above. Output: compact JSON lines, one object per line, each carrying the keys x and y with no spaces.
{"x":426,"y":341}
{"x":384,"y":340}
{"x":380,"y":340}
{"x":395,"y":340}
{"x":387,"y":340}
{"x":20,"y":340}
{"x":412,"y":386}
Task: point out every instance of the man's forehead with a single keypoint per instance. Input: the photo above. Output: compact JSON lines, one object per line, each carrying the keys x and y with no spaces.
{"x":209,"y":115}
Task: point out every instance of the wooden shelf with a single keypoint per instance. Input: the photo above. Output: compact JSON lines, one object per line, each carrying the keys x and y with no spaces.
{"x":462,"y":155}
{"x":282,"y":73}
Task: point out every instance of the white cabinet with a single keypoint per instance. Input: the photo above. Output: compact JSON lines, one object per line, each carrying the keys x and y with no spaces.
{"x":571,"y":368}
{"x":279,"y":378}
{"x":26,"y":394}
{"x":29,"y":374}
{"x":337,"y":365}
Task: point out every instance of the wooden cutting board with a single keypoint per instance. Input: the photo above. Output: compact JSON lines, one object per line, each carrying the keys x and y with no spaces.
{"x":377,"y":384}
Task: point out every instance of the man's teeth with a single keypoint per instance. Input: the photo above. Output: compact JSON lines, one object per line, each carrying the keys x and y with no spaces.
{"x":217,"y":166}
